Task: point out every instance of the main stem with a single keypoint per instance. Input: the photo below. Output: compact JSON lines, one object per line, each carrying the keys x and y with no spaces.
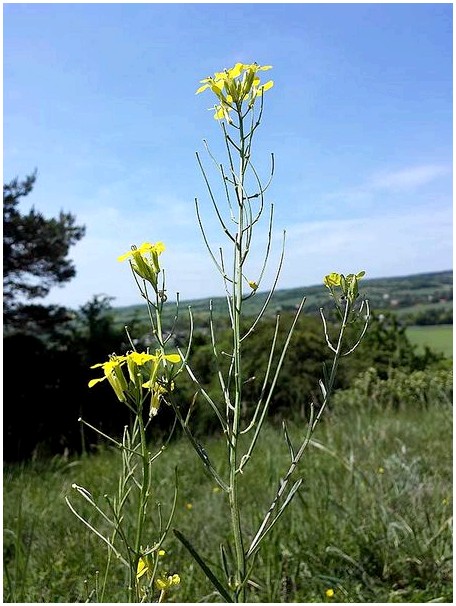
{"x":233,"y":438}
{"x":145,"y":487}
{"x":144,"y":495}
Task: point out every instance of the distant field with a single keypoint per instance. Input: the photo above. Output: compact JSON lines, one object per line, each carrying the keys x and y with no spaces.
{"x":439,"y":338}
{"x":404,"y":295}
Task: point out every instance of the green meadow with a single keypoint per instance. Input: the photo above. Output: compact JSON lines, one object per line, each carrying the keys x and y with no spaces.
{"x":438,"y":338}
{"x":371,"y":522}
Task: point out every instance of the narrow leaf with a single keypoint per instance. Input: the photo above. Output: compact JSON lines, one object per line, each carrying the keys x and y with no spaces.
{"x":207,"y":571}
{"x":224,"y":559}
{"x":288,"y":441}
{"x":325,"y":373}
{"x":322,"y":389}
{"x":256,"y":542}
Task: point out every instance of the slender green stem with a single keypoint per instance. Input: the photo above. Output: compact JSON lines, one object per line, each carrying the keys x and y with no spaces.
{"x":335,"y":364}
{"x":267,"y":523}
{"x":145,"y":486}
{"x":235,"y":427}
{"x":143,"y":498}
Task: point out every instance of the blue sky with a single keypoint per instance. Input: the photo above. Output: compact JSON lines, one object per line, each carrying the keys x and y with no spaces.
{"x":100,"y":99}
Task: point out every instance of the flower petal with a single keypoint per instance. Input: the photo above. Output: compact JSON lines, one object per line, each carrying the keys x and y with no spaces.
{"x":202,"y":88}
{"x":142,"y":568}
{"x":173,"y":358}
{"x":125,"y":256}
{"x":95,"y":381}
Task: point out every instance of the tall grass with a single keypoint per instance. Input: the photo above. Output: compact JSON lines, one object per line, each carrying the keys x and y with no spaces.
{"x":372,"y":520}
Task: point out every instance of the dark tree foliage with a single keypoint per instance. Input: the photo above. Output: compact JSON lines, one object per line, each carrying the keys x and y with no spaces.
{"x":41,"y":411}
{"x":35,"y":252}
{"x":297,"y":382}
{"x":48,"y":386}
{"x":385,"y":347}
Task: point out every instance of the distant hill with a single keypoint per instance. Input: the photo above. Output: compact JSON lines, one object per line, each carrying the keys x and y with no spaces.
{"x":405,"y":295}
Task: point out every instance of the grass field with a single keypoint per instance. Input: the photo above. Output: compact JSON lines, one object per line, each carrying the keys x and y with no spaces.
{"x":372,"y":521}
{"x":438,"y":338}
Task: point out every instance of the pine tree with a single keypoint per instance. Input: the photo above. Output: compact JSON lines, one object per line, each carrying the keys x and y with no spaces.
{"x":35,"y":251}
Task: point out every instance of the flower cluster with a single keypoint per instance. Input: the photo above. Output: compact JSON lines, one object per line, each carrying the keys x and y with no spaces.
{"x":164,"y":581}
{"x":144,"y":261}
{"x":347,"y":284}
{"x":143,"y":372}
{"x":234,"y":86}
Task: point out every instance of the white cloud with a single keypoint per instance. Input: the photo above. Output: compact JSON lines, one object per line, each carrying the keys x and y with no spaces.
{"x":384,"y":242}
{"x":383,"y":186}
{"x":111,"y":232}
{"x":391,"y":245}
{"x":408,"y":178}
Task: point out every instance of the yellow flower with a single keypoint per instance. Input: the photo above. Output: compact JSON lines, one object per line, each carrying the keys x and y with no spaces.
{"x":332,"y":279}
{"x":234,"y":86}
{"x":161,"y":552}
{"x":188,"y":506}
{"x":135,"y":360}
{"x":253,"y":285}
{"x":145,"y":248}
{"x":173,"y":358}
{"x":165,"y":582}
{"x":140,"y":358}
{"x":144,"y":260}
{"x":149,"y":365}
{"x":380,"y":470}
{"x":329,"y":593}
{"x":143,"y":567}
{"x":348,"y":284}
{"x":157,"y":392}
{"x":113,"y":373}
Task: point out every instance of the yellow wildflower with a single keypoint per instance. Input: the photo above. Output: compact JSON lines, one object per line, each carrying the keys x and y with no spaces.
{"x":143,"y":567}
{"x":332,"y":279}
{"x":145,"y":248}
{"x":329,"y":593}
{"x":149,"y":365}
{"x":234,"y":86}
{"x":348,"y":284}
{"x":113,"y":373}
{"x":157,"y":391}
{"x":165,"y":582}
{"x":144,"y":260}
{"x":135,"y":360}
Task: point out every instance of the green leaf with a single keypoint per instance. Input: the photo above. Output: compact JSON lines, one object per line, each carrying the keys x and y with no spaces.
{"x":288,"y":441}
{"x":224,"y":559}
{"x":325,"y":373}
{"x":207,"y":571}
{"x":257,"y":540}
